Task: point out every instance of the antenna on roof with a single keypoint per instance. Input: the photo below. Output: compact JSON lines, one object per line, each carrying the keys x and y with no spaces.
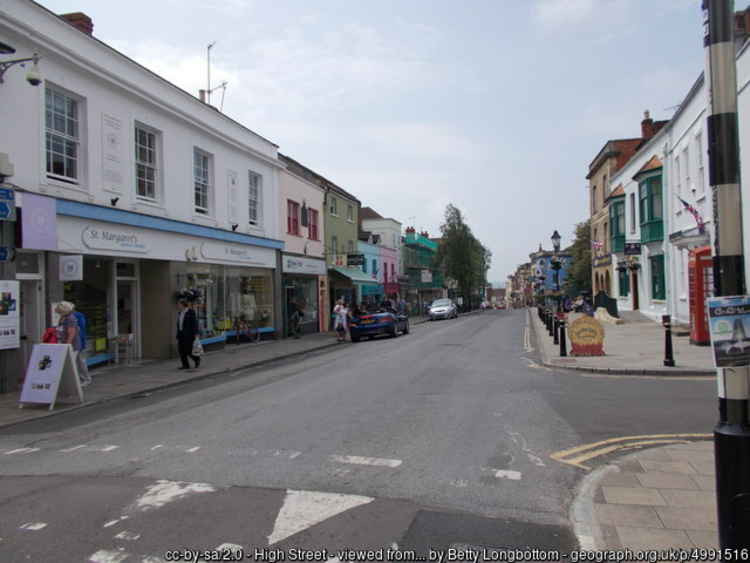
{"x":208,"y":71}
{"x":223,"y":87}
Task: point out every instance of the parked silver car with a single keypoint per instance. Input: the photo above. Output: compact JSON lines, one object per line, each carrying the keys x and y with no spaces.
{"x":442,"y":309}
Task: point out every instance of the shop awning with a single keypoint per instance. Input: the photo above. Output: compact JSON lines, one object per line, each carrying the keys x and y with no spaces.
{"x":357,"y":276}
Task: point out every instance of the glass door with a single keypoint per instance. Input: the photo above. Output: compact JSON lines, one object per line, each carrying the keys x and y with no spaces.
{"x":31,"y":317}
{"x":127,"y":303}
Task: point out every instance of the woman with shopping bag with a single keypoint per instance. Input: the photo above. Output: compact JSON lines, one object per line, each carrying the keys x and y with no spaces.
{"x":187,"y":335}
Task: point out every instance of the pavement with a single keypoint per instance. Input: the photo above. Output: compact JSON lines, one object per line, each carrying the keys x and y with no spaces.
{"x":657,"y":498}
{"x":119,"y":381}
{"x":635,"y":347}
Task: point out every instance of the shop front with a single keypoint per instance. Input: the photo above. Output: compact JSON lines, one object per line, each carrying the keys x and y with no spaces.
{"x":303,"y":282}
{"x":352,"y":285}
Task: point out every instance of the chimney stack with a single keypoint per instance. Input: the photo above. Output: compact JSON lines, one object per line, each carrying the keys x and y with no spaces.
{"x":202,"y":95}
{"x":80,"y":21}
{"x":647,"y":126}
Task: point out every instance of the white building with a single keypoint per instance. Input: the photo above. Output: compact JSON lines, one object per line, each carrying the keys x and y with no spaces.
{"x":156,"y":190}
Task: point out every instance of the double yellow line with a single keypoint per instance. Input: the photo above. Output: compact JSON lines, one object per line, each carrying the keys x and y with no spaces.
{"x":578,"y":455}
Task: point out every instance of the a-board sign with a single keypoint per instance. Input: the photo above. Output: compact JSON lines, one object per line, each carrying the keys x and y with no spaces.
{"x":10,"y":335}
{"x":51,"y":373}
{"x":729,"y":324}
{"x":586,"y":337}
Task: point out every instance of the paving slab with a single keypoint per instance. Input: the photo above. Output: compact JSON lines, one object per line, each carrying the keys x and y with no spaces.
{"x":633,"y":495}
{"x":661,"y":480}
{"x":627,"y":515}
{"x":683,"y":467}
{"x":677,"y":518}
{"x":632,"y":537}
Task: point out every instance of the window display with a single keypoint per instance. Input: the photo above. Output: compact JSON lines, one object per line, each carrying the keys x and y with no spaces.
{"x":90,"y":297}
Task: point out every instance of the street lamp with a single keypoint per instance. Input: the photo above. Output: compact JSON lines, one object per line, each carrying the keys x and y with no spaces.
{"x":556,"y":265}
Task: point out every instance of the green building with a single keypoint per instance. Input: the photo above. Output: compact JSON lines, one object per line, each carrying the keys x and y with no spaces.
{"x":426,"y":279}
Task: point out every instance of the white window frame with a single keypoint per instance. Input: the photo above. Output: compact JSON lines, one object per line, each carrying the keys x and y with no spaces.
{"x":701,"y":182}
{"x":686,"y":165}
{"x":155,"y":165}
{"x":334,"y":245}
{"x":206,"y":180}
{"x":633,"y":211}
{"x":350,"y":213}
{"x":255,"y":184}
{"x":333,"y":207}
{"x":677,"y":176}
{"x":76,"y":140}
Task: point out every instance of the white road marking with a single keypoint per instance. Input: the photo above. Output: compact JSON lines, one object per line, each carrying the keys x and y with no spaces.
{"x":156,"y":447}
{"x":109,"y":556}
{"x":74,"y":448}
{"x":294,"y":454}
{"x":22,"y":451}
{"x":508,"y":474}
{"x":192,"y":450}
{"x":33,"y":526}
{"x":460,"y":483}
{"x":163,"y":492}
{"x":108,"y":448}
{"x":113,"y":522}
{"x":130,"y":536}
{"x":302,"y":509}
{"x":360,"y":460}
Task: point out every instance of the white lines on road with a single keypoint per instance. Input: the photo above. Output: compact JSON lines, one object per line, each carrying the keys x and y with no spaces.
{"x":129,"y":536}
{"x":163,"y":492}
{"x":22,"y":451}
{"x":527,"y":340}
{"x":74,"y":448}
{"x":460,"y":483}
{"x":192,"y":450}
{"x":33,"y":526}
{"x":302,"y":509}
{"x":113,"y":522}
{"x":503,"y":473}
{"x":108,"y":448}
{"x":360,"y":460}
{"x":157,"y":446}
{"x":109,"y":556}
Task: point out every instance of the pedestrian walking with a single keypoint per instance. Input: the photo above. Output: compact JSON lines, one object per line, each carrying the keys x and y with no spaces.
{"x":83,"y":367}
{"x":187,"y":334}
{"x":341,"y":324}
{"x":67,"y":333}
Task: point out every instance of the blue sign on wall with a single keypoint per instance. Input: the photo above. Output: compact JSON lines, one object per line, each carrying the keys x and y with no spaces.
{"x":4,"y":253}
{"x":7,"y":204}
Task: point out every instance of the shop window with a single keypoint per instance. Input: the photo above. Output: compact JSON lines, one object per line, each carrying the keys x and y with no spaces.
{"x":62,"y":135}
{"x":146,"y":169}
{"x":91,"y":296}
{"x":334,"y":208}
{"x":624,"y":282}
{"x":334,"y":245}
{"x":292,"y":217}
{"x":350,"y":246}
{"x":201,"y":181}
{"x":312,"y":232}
{"x":632,"y":213}
{"x":658,"y":290}
{"x":125,"y":270}
{"x":350,"y":213}
{"x":254,"y":198}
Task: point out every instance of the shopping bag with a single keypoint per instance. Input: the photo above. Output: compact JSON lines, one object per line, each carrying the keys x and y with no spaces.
{"x":197,"y":348}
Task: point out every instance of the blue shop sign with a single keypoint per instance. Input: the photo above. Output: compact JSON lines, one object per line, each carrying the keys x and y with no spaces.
{"x":372,"y":289}
{"x":7,"y":205}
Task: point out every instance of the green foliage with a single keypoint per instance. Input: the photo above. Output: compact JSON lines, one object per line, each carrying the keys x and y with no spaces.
{"x":462,"y":255}
{"x":579,"y":272}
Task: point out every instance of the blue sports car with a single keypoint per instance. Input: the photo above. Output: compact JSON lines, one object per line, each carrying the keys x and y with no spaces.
{"x":373,"y":324}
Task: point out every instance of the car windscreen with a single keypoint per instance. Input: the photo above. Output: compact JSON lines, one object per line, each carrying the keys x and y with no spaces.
{"x":441,"y":303}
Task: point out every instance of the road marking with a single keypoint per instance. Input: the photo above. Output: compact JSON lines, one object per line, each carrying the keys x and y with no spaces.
{"x":294,"y":455}
{"x":192,"y":450}
{"x":125,"y":535}
{"x":22,"y":451}
{"x":302,"y":509}
{"x":113,"y":522}
{"x":108,"y":448}
{"x":576,"y":456}
{"x":163,"y":492}
{"x":74,"y":448}
{"x":156,"y":447}
{"x":33,"y":526}
{"x":360,"y":460}
{"x":508,"y":474}
{"x":109,"y":556}
{"x":460,"y":483}
{"x":527,"y":347}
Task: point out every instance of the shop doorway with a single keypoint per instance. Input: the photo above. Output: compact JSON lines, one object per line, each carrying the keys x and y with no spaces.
{"x":127,"y":306}
{"x":634,"y":287}
{"x":29,"y":273}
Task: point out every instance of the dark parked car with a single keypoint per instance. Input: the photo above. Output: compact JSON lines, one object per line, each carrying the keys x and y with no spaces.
{"x":376,"y":323}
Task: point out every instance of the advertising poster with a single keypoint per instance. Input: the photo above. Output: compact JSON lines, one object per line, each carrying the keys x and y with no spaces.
{"x":9,"y":315}
{"x":729,"y":324}
{"x":51,"y":371}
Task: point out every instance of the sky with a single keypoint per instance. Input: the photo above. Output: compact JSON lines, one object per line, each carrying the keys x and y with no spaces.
{"x":495,"y":106}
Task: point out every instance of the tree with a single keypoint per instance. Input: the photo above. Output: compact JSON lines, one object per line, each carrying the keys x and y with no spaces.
{"x":579,"y":272}
{"x":462,"y":255}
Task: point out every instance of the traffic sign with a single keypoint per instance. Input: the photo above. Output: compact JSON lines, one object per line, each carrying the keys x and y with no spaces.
{"x":7,"y":204}
{"x":5,"y":253}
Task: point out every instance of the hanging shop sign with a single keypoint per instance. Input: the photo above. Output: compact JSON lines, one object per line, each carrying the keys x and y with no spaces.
{"x":9,"y":315}
{"x":51,"y":373}
{"x":71,"y":267}
{"x":729,"y":323}
{"x":355,"y":259}
{"x":586,"y":337}
{"x":114,"y":239}
{"x":298,"y":265}
{"x":632,"y":249}
{"x":7,"y":204}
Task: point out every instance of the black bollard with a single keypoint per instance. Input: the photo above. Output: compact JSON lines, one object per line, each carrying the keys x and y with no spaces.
{"x":668,"y":353}
{"x":549,"y":322}
{"x":555,"y":328}
{"x":563,"y":345}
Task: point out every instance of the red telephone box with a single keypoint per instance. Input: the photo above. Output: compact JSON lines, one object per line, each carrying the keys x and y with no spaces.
{"x":700,"y":277}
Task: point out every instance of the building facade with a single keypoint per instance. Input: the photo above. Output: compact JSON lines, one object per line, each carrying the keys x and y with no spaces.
{"x":130,"y":191}
{"x":426,"y":279}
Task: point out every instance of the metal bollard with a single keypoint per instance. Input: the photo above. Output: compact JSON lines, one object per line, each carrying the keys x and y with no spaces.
{"x":668,"y":352}
{"x":563,"y":344}
{"x":555,"y":328}
{"x":549,"y":322}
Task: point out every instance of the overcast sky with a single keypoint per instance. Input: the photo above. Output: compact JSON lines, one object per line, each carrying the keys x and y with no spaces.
{"x":496,"y":106}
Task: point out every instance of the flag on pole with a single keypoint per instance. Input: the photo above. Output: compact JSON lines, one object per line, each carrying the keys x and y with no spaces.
{"x":694,"y":212}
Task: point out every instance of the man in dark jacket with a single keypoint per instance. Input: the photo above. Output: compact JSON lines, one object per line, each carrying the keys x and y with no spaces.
{"x":187,"y":330}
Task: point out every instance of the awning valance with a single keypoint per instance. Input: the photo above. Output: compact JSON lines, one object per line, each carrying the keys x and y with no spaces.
{"x":357,"y":276}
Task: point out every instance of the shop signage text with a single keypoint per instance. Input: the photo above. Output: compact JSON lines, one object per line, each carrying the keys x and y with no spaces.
{"x":108,"y":239}
{"x":632,"y":248}
{"x":355,"y":259}
{"x":9,"y":315}
{"x":298,"y":265}
{"x":586,"y":337}
{"x":248,"y":255}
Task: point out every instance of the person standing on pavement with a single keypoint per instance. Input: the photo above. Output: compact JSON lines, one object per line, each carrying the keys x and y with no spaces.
{"x":187,"y":332}
{"x":83,"y":368}
{"x":67,"y":333}
{"x":341,"y":322}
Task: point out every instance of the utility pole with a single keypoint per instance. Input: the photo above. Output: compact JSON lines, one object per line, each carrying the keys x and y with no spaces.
{"x":732,"y":433}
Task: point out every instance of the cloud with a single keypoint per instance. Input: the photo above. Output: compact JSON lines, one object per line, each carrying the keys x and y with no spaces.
{"x":556,"y":13}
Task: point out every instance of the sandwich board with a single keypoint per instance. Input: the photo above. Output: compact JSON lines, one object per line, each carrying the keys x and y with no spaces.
{"x":51,"y":372}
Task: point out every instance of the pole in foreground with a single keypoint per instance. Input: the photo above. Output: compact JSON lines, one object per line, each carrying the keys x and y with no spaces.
{"x":666,"y":321}
{"x":563,"y":344}
{"x":732,"y":433}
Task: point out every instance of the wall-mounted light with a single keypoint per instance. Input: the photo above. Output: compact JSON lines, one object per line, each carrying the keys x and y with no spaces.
{"x":114,"y":201}
{"x":33,"y":76}
{"x":234,"y":226}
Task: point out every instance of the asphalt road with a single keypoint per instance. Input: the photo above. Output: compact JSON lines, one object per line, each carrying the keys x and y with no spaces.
{"x":434,"y":440}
